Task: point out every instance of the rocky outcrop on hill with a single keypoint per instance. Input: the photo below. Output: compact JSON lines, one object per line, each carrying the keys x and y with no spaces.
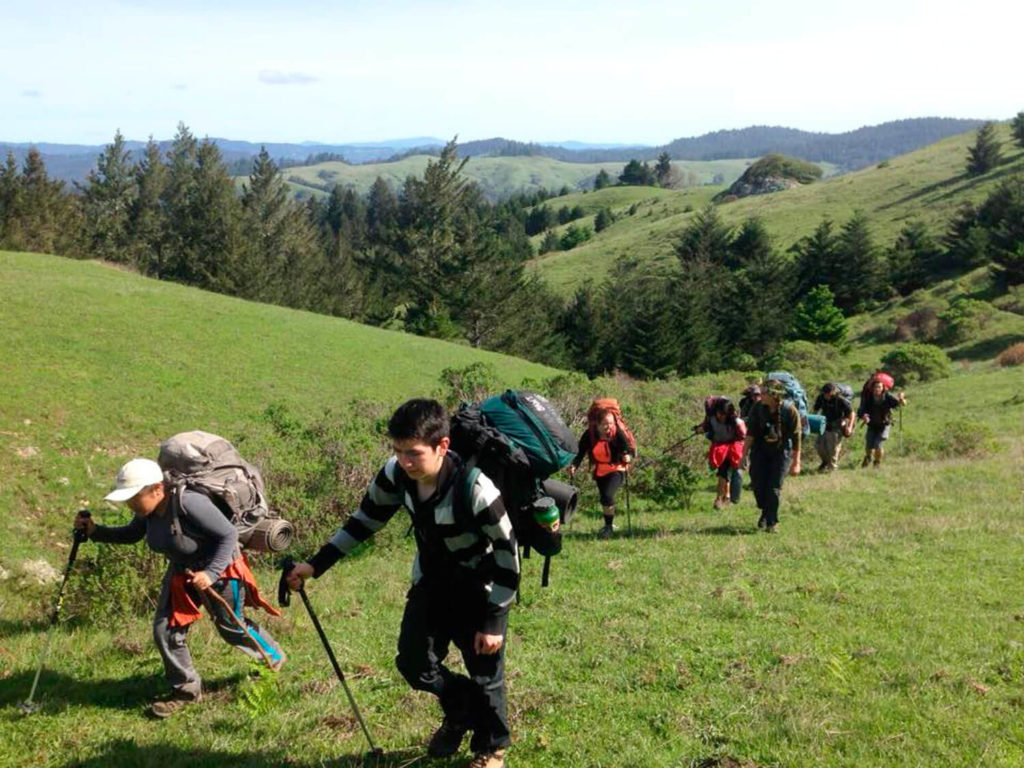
{"x":772,"y":173}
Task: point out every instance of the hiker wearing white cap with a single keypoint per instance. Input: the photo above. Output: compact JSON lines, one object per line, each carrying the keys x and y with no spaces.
{"x":204,"y":563}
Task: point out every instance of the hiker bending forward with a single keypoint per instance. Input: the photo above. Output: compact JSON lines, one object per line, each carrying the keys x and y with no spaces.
{"x":607,"y":448}
{"x":465,"y":576}
{"x":204,"y":561}
{"x":773,"y":443}
{"x":727,"y":432}
{"x":876,"y":412}
{"x":839,"y":423}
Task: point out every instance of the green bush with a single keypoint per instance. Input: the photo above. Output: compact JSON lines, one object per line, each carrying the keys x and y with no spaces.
{"x":963,"y":438}
{"x":964,"y":320}
{"x":470,"y":384}
{"x":917,"y":362}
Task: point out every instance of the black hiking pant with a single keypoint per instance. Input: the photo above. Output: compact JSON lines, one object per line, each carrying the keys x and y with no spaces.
{"x":434,"y":618}
{"x":768,"y":470}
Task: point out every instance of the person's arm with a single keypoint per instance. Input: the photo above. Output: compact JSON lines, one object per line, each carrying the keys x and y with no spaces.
{"x":382,"y":499}
{"x":794,"y":468}
{"x":206,"y":519}
{"x":581,"y":449}
{"x":131,"y":533}
{"x":501,"y":563}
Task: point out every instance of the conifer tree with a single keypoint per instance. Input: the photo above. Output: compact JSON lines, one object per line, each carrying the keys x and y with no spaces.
{"x":10,"y":203}
{"x":755,"y":307}
{"x":818,"y":319}
{"x":1017,"y":128}
{"x":602,"y":180}
{"x":706,"y":238}
{"x":581,"y":325}
{"x":751,"y":243}
{"x":663,"y":169}
{"x":603,"y":219}
{"x":146,"y":216}
{"x":913,"y":258}
{"x":987,"y":151}
{"x":107,"y":198}
{"x":46,"y":214}
{"x":860,"y":278}
{"x":817,"y":259}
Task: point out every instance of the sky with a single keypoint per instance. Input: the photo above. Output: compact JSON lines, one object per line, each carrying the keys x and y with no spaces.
{"x":629,"y":71}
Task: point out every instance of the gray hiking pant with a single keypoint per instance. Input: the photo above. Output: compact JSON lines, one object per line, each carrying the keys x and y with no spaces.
{"x":170,"y":641}
{"x":830,"y":446}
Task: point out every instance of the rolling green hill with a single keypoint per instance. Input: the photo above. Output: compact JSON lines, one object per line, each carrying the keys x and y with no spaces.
{"x":880,"y":626}
{"x":497,"y":176}
{"x":927,"y":184}
{"x":98,"y":363}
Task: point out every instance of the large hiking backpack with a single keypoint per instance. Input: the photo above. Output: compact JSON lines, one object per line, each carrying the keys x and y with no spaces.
{"x":845,"y":391}
{"x":202,"y":462}
{"x":611,"y":405}
{"x":887,"y":382}
{"x":518,"y":440}
{"x":794,"y":393}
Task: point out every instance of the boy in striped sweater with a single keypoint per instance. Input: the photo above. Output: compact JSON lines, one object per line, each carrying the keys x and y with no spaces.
{"x":464,"y":578}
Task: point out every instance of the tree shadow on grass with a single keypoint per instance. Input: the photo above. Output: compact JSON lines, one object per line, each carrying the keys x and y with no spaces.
{"x":10,"y":628}
{"x":125,"y":752}
{"x":725,"y":530}
{"x":57,"y":690}
{"x":987,"y":348}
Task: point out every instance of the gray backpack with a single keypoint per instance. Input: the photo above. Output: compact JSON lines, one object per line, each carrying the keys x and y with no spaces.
{"x":212,"y":466}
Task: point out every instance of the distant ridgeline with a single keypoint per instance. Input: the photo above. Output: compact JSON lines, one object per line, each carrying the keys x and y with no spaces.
{"x":850,"y":150}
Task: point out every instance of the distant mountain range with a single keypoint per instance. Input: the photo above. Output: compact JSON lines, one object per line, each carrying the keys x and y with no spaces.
{"x":849,"y":151}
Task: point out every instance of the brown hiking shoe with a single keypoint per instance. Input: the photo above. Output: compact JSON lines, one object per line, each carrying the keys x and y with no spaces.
{"x":493,"y":759}
{"x":176,"y":702}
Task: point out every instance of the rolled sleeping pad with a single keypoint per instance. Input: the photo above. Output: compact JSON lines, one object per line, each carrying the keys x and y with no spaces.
{"x":816,"y":422}
{"x":566,"y":498}
{"x":271,"y":534}
{"x":735,"y":486}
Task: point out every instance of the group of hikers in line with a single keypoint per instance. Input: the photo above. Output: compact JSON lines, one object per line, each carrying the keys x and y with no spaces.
{"x":465,"y":574}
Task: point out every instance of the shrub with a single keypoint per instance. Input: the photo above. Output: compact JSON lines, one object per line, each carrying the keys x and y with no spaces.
{"x":920,"y":325}
{"x":782,"y":166}
{"x":1011,"y":356}
{"x":917,"y":362}
{"x":574,"y":235}
{"x":964,"y":319}
{"x":470,"y":384}
{"x":963,"y":438}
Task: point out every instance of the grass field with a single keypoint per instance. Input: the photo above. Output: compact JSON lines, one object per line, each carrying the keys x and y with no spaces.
{"x":496,"y":176}
{"x":928,"y":184}
{"x":882,"y":625}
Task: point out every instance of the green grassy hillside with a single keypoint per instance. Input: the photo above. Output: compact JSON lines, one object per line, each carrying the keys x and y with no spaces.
{"x":98,"y":364}
{"x":497,"y":176}
{"x":882,"y":625}
{"x":927,"y":184}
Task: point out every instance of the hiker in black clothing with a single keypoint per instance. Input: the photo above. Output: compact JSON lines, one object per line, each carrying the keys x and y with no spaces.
{"x":465,"y":577}
{"x":839,"y":421}
{"x":773,"y":444}
{"x":876,"y":412}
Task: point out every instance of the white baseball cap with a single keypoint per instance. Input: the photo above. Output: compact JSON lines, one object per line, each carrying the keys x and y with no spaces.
{"x":133,"y":477}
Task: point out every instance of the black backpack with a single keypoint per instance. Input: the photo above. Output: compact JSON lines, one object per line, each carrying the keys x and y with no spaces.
{"x":518,"y":440}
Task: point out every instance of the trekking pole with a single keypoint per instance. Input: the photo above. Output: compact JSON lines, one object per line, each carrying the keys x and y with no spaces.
{"x":27,"y":707}
{"x":674,"y":447}
{"x":629,"y":514}
{"x":901,"y":430}
{"x":283,"y":598}
{"x":238,"y":621}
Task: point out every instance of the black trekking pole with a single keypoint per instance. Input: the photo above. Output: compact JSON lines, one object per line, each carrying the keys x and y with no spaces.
{"x":28,"y":706}
{"x":283,"y":598}
{"x":674,"y":447}
{"x":629,"y":514}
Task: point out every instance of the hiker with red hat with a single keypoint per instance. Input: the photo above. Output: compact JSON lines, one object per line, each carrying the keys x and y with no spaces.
{"x":877,"y":402}
{"x":610,"y":447}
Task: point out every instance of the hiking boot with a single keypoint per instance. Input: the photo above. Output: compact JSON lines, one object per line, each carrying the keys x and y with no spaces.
{"x":823,"y":466}
{"x":447,"y":739}
{"x":493,"y":759}
{"x":177,"y":701}
{"x":771,"y":528}
{"x":607,"y":532}
{"x":718,"y":504}
{"x":867,"y":460}
{"x":761,"y":522}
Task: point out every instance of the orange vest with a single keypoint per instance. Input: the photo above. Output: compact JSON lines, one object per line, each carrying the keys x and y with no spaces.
{"x":184,"y":609}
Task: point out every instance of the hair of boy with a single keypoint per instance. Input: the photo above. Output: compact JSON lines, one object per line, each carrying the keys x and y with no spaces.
{"x":726,"y":407}
{"x":419,"y":419}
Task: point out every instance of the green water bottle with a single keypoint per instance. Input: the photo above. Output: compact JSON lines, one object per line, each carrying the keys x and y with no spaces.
{"x":545,"y":512}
